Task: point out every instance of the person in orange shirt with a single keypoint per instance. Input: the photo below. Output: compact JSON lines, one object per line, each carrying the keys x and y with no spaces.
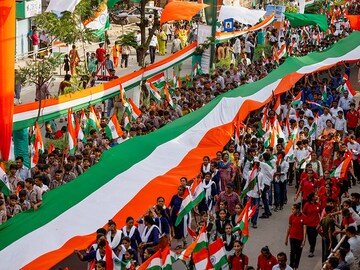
{"x":116,"y":53}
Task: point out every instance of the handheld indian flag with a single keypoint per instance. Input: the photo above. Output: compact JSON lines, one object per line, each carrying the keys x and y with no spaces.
{"x":282,"y":52}
{"x":153,"y":263}
{"x":127,"y":123}
{"x":198,"y":191}
{"x":275,"y":55}
{"x":123,"y":96}
{"x":201,"y":260}
{"x":315,"y":104}
{"x":197,"y":69}
{"x":83,"y":119}
{"x":168,"y":97}
{"x":135,"y":111}
{"x":199,"y":243}
{"x":186,"y":206}
{"x":79,"y":132}
{"x":168,"y":257}
{"x":100,"y":23}
{"x":245,"y":230}
{"x":289,"y":148}
{"x":277,"y":105}
{"x":239,"y":226}
{"x":158,"y":80}
{"x":113,"y":129}
{"x":176,"y":81}
{"x":304,"y":161}
{"x":154,"y":92}
{"x":262,"y":127}
{"x":309,"y":2}
{"x":296,"y":101}
{"x":347,"y":86}
{"x":93,"y":120}
{"x":4,"y":181}
{"x":314,"y":124}
{"x":340,"y":171}
{"x":71,"y":133}
{"x":324,"y":96}
{"x":51,"y":148}
{"x":250,"y":184}
{"x":37,"y":145}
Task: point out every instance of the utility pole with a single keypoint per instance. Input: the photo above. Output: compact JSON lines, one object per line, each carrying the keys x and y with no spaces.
{"x":213,"y":30}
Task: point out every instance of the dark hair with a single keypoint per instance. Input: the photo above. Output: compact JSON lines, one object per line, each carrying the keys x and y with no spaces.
{"x":19,"y":157}
{"x":351,"y":229}
{"x":30,"y":180}
{"x":130,"y":251}
{"x":126,"y":238}
{"x":99,"y":235}
{"x":101,"y":231}
{"x":282,"y":254}
{"x":149,"y":220}
{"x":334,"y":262}
{"x":111,"y":222}
{"x":239,"y":242}
{"x":13,"y":166}
{"x":150,"y":250}
{"x":310,"y":196}
{"x":297,"y":206}
{"x":22,"y":193}
{"x":102,"y":263}
{"x":128,"y":219}
{"x":102,"y":243}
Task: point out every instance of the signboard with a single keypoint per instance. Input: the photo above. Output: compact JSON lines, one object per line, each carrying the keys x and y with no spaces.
{"x":279,"y":16}
{"x":103,"y":71}
{"x":229,"y":25}
{"x":204,"y":31}
{"x":269,"y":10}
{"x":32,"y":8}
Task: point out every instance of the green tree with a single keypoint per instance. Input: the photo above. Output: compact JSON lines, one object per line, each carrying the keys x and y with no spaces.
{"x":69,"y":27}
{"x":39,"y":73}
{"x":145,"y":40}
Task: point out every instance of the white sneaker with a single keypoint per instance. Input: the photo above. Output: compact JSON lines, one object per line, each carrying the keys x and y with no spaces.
{"x":19,"y":101}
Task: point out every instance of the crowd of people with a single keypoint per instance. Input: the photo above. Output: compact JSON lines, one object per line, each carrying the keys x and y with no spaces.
{"x":328,"y":207}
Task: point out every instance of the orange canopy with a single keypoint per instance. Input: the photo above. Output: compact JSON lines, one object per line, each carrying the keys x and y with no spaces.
{"x":179,"y":10}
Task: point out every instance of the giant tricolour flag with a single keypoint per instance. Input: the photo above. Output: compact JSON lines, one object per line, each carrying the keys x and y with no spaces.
{"x":188,"y":139}
{"x":61,"y":6}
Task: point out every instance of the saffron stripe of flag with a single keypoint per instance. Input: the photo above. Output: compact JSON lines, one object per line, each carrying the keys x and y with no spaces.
{"x":123,"y":96}
{"x":51,"y":148}
{"x":154,"y":92}
{"x":277,"y":107}
{"x":201,"y":259}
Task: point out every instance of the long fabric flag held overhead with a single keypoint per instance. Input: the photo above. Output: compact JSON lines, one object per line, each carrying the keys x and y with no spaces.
{"x":222,"y":36}
{"x":297,"y":20}
{"x":179,"y":10}
{"x":69,"y":225}
{"x":61,"y":6}
{"x":241,"y":14}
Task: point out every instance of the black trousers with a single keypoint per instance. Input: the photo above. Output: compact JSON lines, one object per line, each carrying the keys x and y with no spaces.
{"x":295,"y":252}
{"x":124,"y":59}
{"x":312,"y":234}
{"x":152,"y":50}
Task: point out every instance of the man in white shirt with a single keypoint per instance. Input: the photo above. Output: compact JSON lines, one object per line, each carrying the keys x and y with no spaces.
{"x":282,"y":259}
{"x":334,"y":109}
{"x":345,"y":102}
{"x":237,"y":49}
{"x":340,"y":124}
{"x":300,"y":154}
{"x":323,"y":118}
{"x":354,"y":241}
{"x":268,"y":171}
{"x":152,"y":48}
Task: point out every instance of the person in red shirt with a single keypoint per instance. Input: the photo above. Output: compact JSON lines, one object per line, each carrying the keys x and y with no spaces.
{"x":352,"y":118}
{"x":266,"y":260}
{"x":328,"y":193}
{"x":307,"y":185}
{"x":304,"y":174}
{"x":312,"y":211}
{"x":238,"y":261}
{"x":35,"y":43}
{"x":100,"y":53}
{"x":297,"y":234}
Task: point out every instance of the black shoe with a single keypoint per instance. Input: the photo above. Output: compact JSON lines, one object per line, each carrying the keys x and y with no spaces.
{"x":276,"y":209}
{"x":254,"y":226}
{"x":264,"y":216}
{"x":269,"y":214}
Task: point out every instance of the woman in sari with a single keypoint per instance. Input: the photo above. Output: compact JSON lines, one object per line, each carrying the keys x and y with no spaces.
{"x":74,"y":60}
{"x":227,"y":171}
{"x":162,"y":38}
{"x":327,"y":153}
